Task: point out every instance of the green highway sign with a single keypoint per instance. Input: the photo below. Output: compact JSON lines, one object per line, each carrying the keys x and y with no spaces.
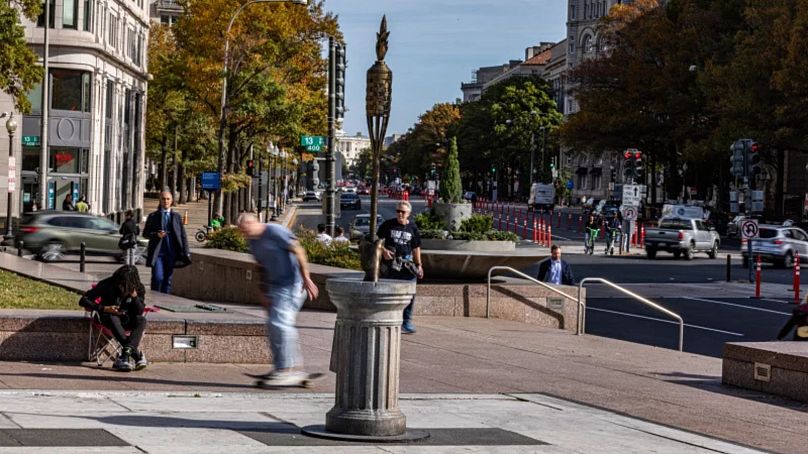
{"x":313,"y":143}
{"x":31,"y":141}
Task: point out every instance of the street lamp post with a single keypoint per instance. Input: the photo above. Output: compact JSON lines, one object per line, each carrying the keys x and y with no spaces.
{"x":223,"y":102}
{"x":11,"y":127}
{"x":295,"y":163}
{"x":273,"y":153}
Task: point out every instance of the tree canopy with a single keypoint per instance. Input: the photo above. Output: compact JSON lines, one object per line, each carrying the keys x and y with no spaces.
{"x":19,"y":72}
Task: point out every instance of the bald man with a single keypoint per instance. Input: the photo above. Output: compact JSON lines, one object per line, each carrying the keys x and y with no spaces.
{"x":168,"y":244}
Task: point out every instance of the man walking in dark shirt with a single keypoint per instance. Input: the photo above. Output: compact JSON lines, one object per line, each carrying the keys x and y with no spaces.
{"x":401,"y":257}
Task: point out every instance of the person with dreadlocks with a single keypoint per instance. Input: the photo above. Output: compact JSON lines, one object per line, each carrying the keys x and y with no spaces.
{"x":119,"y":300}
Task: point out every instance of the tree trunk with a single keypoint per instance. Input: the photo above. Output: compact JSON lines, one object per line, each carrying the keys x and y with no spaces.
{"x":163,"y":165}
{"x":183,"y":195}
{"x":779,"y":206}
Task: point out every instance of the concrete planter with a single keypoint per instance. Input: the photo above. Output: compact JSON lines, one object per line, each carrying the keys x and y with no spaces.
{"x":365,"y":356}
{"x":466,"y":245}
{"x":452,"y":214}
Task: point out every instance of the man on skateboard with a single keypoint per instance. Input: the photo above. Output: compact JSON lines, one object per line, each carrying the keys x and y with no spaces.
{"x":285,"y":284}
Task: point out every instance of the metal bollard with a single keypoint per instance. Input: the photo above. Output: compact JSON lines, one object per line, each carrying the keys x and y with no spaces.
{"x":796,"y":278}
{"x":20,"y":247}
{"x":82,"y":257}
{"x":729,"y":267}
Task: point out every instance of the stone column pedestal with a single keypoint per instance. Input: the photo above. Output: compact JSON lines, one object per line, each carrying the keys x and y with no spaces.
{"x":365,"y":356}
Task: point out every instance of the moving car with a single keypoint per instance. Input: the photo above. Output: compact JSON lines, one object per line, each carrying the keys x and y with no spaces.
{"x":52,"y":234}
{"x":360,"y":226}
{"x":682,"y":237}
{"x":350,"y":200}
{"x":778,"y":244}
{"x":311,"y":195}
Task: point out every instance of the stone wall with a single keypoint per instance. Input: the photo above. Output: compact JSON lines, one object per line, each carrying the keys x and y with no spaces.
{"x":65,"y":336}
{"x":779,"y":368}
{"x":225,"y":276}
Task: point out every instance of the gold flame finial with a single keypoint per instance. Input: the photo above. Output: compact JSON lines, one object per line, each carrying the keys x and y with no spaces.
{"x":381,"y":40}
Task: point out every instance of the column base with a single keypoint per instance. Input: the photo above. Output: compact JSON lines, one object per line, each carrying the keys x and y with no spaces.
{"x":409,"y":436}
{"x":371,"y":423}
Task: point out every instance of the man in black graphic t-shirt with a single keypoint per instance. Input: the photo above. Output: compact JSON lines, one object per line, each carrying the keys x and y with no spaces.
{"x":402,"y":240}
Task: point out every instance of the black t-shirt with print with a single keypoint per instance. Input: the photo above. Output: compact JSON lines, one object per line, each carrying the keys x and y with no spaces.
{"x":400,"y":238}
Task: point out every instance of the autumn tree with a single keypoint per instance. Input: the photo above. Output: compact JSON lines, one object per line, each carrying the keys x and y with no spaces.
{"x":19,"y":72}
{"x":275,"y":74}
{"x":426,"y":144}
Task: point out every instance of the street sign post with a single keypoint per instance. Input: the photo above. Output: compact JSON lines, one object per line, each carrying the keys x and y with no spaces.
{"x":313,"y":144}
{"x":632,"y":195}
{"x":211,"y":181}
{"x":629,"y":212}
{"x":749,"y":230}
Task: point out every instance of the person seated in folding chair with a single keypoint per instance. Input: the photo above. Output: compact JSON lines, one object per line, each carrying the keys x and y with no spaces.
{"x":119,"y":302}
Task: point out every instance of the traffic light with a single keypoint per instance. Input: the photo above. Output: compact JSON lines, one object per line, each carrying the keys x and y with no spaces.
{"x":613,"y":178}
{"x":638,"y":165}
{"x":339,"y":80}
{"x":250,"y":167}
{"x":628,"y":167}
{"x":753,"y":158}
{"x":737,"y":158}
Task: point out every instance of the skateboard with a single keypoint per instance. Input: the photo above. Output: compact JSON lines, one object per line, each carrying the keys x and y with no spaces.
{"x":305,"y":382}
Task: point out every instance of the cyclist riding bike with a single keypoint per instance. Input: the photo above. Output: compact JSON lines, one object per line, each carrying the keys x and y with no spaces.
{"x":614,"y":230}
{"x":591,"y":230}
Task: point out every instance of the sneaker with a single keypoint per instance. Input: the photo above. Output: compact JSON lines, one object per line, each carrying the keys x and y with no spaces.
{"x":408,"y":328}
{"x":141,"y":363}
{"x":122,"y":363}
{"x":285,"y":378}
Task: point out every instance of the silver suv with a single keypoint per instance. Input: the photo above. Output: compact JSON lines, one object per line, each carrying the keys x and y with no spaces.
{"x":52,"y":234}
{"x":778,"y":244}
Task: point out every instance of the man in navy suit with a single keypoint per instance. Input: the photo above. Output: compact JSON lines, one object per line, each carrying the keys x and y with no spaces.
{"x":168,"y":244}
{"x":555,"y":270}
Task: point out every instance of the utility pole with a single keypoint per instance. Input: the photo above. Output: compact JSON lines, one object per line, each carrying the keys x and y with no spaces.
{"x":330,"y":214}
{"x":43,"y":156}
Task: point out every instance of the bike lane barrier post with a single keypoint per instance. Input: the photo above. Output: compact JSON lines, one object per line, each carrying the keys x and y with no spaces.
{"x":524,"y":228}
{"x":549,"y":236}
{"x":569,"y":220}
{"x":796,"y":278}
{"x":580,"y":223}
{"x":535,"y":231}
{"x":757,"y":278}
{"x":642,"y":236}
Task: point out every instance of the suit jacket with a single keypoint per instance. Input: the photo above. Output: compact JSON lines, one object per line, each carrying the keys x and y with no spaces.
{"x":566,"y":272}
{"x":176,"y":230}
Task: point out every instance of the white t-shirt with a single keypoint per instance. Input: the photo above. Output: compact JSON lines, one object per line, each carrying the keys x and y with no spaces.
{"x":341,"y":239}
{"x":324,"y":238}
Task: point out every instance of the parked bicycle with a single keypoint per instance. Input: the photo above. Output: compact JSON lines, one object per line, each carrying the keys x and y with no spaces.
{"x":202,"y":234}
{"x":589,"y":240}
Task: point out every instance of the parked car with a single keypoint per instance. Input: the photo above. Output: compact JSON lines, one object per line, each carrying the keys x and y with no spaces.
{"x":360,"y":226}
{"x":363,"y":190}
{"x":682,"y":237}
{"x":52,"y":234}
{"x":311,"y":195}
{"x":350,"y":200}
{"x":778,"y":244}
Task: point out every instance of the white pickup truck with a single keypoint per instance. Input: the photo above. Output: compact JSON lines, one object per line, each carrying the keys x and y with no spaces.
{"x":682,"y":237}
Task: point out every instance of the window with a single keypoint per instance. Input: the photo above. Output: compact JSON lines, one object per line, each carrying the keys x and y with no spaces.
{"x":572,"y":11}
{"x":113,"y":31}
{"x":586,"y":44}
{"x":70,"y":90}
{"x":70,"y":12}
{"x":40,"y":22}
{"x":88,"y":15}
{"x":110,"y":99}
{"x":64,"y":160}
{"x":35,"y":97}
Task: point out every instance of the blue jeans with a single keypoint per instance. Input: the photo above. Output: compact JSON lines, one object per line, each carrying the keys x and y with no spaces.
{"x":285,"y":303}
{"x":162,"y":271}
{"x":404,"y":275}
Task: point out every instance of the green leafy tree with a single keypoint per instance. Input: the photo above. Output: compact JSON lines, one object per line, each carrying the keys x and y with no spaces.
{"x":19,"y":72}
{"x":451,"y":190}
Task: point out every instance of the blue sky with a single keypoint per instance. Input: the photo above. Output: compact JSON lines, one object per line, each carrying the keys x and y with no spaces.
{"x":435,"y":45}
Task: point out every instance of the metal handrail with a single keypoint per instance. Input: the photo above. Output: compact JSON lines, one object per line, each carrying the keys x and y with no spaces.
{"x":535,"y":281}
{"x":638,"y":298}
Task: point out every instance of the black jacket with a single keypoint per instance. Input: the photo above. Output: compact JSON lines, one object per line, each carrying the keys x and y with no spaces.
{"x":129,"y":227}
{"x":107,"y":293}
{"x":799,"y":318}
{"x":154,"y":224}
{"x":566,"y":272}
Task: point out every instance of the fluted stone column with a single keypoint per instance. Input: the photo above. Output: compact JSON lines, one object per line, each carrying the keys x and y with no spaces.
{"x":365,"y":356}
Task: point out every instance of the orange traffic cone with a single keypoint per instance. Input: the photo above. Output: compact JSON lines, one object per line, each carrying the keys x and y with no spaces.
{"x":185,"y":218}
